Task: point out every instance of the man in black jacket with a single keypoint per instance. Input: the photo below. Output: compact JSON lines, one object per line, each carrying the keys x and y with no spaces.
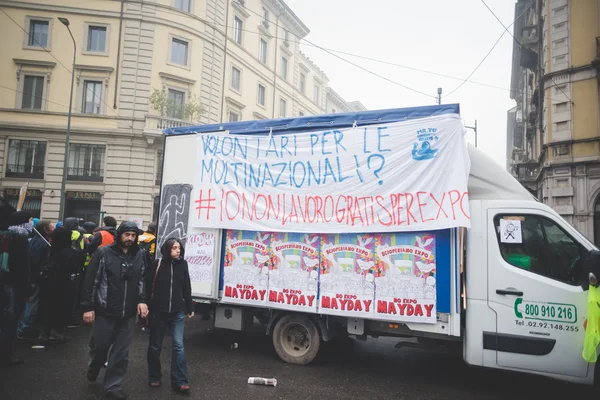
{"x":39,"y":249}
{"x":113,"y":291}
{"x":14,"y":282}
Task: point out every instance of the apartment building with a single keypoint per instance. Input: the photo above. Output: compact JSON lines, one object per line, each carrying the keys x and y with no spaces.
{"x":554,"y":142}
{"x":140,"y":67}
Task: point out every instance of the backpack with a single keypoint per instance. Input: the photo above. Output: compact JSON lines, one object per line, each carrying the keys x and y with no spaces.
{"x":148,"y":245}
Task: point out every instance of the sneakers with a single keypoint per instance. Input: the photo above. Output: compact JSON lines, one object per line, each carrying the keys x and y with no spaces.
{"x":145,"y":329}
{"x":73,"y":325}
{"x":117,"y":394}
{"x":92,"y":374}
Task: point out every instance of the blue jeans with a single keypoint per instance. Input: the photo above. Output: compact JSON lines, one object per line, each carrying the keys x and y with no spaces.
{"x":30,"y":313}
{"x":158,"y":324}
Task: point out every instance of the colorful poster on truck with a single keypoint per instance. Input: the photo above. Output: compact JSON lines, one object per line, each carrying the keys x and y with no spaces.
{"x":346,"y":280}
{"x":405,"y":278}
{"x":294,"y":274}
{"x":246,"y":268}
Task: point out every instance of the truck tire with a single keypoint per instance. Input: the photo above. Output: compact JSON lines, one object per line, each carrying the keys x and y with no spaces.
{"x":296,"y":339}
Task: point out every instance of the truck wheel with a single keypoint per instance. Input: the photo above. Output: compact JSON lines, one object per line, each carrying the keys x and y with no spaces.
{"x":296,"y":339}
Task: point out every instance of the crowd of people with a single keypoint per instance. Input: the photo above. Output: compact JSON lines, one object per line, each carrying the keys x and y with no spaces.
{"x":53,"y":274}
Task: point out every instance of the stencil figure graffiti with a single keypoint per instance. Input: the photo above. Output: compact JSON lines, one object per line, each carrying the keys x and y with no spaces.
{"x":174,"y":212}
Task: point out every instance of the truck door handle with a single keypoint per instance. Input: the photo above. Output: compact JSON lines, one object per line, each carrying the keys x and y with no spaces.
{"x":513,"y":292}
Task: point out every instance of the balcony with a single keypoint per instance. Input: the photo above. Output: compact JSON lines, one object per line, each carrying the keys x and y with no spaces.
{"x":25,"y":171}
{"x":156,"y":124}
{"x":85,"y":174}
{"x":529,"y":37}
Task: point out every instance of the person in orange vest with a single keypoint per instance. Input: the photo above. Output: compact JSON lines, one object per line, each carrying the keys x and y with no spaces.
{"x":105,"y":235}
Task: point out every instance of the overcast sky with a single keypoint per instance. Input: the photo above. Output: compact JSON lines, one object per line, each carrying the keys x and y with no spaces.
{"x":442,"y":36}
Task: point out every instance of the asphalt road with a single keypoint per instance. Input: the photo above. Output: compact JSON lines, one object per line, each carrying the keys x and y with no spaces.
{"x":370,"y":370}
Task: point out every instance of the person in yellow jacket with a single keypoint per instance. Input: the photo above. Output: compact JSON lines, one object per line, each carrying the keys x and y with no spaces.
{"x":147,"y":242}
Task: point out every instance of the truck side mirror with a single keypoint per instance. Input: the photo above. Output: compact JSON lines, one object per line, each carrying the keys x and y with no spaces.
{"x":592,"y":269}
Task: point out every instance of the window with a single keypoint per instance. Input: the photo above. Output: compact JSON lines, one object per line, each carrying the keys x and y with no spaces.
{"x":284,"y":67}
{"x":179,"y":51}
{"x":236,"y":79}
{"x":302,"y":83}
{"x":38,"y":33}
{"x":234,"y":116}
{"x":261,"y":95}
{"x":238,"y":26}
{"x":286,"y":38}
{"x":175,"y":103}
{"x":33,"y":89}
{"x":265,"y":18}
{"x":562,"y":126}
{"x":183,"y":5}
{"x":282,"y":108}
{"x":545,"y":249}
{"x":86,"y":162}
{"x":301,"y":114}
{"x":561,"y":107}
{"x":262,"y":51}
{"x":96,"y":41}
{"x":317,"y":94}
{"x":92,"y":95}
{"x":26,"y":159}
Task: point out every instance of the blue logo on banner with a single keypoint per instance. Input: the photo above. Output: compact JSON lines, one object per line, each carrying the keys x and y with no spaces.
{"x":422,"y":147}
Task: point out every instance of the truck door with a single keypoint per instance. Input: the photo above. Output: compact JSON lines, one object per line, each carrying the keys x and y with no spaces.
{"x":535,"y":272}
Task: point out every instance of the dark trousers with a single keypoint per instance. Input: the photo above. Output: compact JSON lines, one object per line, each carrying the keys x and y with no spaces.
{"x":159,"y":322}
{"x":117,"y":332}
{"x":12,"y":303}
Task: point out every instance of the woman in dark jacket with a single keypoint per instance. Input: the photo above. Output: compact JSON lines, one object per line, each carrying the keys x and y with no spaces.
{"x":169,"y":298}
{"x":55,"y":294}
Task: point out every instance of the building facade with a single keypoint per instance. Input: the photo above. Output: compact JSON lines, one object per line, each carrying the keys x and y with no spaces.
{"x":554,"y":143}
{"x":140,"y":67}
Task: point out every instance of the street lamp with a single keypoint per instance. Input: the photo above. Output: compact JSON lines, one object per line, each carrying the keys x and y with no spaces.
{"x":475,"y":129}
{"x":61,"y":208}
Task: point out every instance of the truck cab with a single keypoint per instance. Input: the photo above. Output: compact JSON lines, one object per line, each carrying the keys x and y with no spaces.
{"x":526,"y":281}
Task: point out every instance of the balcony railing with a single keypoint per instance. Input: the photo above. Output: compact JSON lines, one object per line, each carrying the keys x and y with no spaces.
{"x":156,"y":124}
{"x":85,"y":174}
{"x":25,"y":171}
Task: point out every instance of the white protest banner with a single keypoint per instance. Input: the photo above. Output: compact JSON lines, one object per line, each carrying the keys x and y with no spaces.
{"x":402,"y":176}
{"x":199,"y":250}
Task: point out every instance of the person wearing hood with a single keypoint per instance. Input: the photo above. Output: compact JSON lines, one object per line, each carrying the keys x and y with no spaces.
{"x":39,"y":250}
{"x":104,"y":236}
{"x":89,"y":228}
{"x":113,"y":291}
{"x":15,"y":287}
{"x":55,"y":297}
{"x":169,"y":295}
{"x":78,"y":251}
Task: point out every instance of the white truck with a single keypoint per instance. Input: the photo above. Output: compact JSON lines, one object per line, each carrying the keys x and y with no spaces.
{"x":510,"y":284}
